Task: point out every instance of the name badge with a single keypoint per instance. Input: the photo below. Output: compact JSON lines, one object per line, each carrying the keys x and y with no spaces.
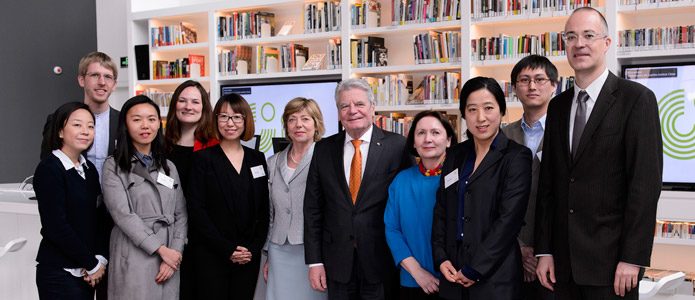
{"x":451,"y":178}
{"x":165,"y":180}
{"x":257,"y":172}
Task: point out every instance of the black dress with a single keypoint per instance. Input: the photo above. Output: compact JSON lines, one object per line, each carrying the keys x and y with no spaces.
{"x":182,"y":157}
{"x":226,"y":209}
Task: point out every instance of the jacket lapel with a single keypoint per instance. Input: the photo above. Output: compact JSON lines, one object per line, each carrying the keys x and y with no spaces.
{"x":373,"y":158}
{"x":306,"y":161}
{"x":565,"y":108}
{"x":138,"y":169}
{"x":338,"y":168}
{"x":601,"y":108}
{"x":492,"y":156}
{"x":221,"y":165}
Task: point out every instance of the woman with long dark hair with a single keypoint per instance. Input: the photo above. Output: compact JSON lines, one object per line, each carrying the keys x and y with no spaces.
{"x":143,"y":193}
{"x":72,"y":254}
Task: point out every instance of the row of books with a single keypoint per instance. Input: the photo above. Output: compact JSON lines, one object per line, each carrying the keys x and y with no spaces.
{"x":227,"y":60}
{"x":505,"y":46}
{"x":675,"y":230}
{"x":400,"y":123}
{"x":391,"y":89}
{"x":322,"y":16}
{"x":437,"y":89}
{"x":637,"y":2}
{"x":161,"y":98}
{"x":424,"y":11}
{"x":182,"y":33}
{"x":498,"y":8}
{"x":437,"y":47}
{"x":193,"y":65}
{"x":245,"y":25}
{"x":368,"y":52}
{"x":293,"y":56}
{"x":365,"y":13}
{"x":563,"y":84}
{"x":333,"y":54}
{"x":656,"y":38}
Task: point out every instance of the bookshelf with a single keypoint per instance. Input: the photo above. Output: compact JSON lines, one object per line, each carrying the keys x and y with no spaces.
{"x":398,"y":33}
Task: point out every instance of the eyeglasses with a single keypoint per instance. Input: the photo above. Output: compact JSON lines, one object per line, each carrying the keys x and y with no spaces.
{"x":236,"y":118}
{"x":108,"y":78}
{"x":526,"y":81}
{"x":588,"y":36}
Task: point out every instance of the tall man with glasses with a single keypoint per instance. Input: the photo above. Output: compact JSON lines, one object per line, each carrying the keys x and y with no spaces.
{"x":534,"y":80}
{"x":600,"y":175}
{"x":97,"y":75}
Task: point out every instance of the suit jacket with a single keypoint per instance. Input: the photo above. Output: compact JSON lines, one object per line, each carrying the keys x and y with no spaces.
{"x":514,"y":132}
{"x":334,"y":228}
{"x":113,"y":128}
{"x":600,"y":207}
{"x":214,"y":221}
{"x":287,"y":199}
{"x":494,"y":206}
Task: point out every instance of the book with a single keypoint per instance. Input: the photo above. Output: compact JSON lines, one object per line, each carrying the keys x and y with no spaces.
{"x":199,"y":60}
{"x":315,"y":62}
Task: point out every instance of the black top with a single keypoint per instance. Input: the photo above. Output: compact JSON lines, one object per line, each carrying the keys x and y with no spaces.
{"x":72,"y":226}
{"x":182,"y":157}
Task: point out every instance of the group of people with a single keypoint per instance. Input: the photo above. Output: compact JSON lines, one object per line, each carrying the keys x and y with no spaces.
{"x":557,"y":205}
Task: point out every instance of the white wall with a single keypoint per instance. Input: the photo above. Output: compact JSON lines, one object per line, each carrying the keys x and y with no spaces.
{"x":112,"y":40}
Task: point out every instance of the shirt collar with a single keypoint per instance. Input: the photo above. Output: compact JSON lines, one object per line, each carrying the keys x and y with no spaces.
{"x":66,"y":161}
{"x":594,"y":89}
{"x":540,"y":121}
{"x":145,"y":159}
{"x":365,"y":138}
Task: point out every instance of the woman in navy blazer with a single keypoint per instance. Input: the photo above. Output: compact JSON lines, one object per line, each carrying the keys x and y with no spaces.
{"x":481,"y":203}
{"x":228,"y":207}
{"x":72,"y":254}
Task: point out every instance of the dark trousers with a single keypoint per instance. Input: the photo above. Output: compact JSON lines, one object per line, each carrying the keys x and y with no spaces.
{"x":573,"y":291}
{"x":56,"y":284}
{"x":359,"y":288}
{"x":408,"y":293}
{"x":187,"y":286}
{"x":535,"y":291}
{"x":102,"y":288}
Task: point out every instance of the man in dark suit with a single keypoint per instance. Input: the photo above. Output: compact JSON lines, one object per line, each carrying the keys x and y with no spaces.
{"x":600,"y":175}
{"x":347,"y":188}
{"x":97,"y":75}
{"x":534,"y":80}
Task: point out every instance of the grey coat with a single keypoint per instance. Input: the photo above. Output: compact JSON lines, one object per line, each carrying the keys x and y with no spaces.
{"x":147,"y":215}
{"x":287,"y":199}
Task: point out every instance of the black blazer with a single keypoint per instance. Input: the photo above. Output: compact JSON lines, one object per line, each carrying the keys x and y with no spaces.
{"x":113,"y":127}
{"x":72,"y":218}
{"x":333,"y":226}
{"x":213,"y":221}
{"x":600,"y":208}
{"x":494,"y":207}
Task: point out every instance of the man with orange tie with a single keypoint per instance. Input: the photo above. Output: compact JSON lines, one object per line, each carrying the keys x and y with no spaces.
{"x":347,"y":188}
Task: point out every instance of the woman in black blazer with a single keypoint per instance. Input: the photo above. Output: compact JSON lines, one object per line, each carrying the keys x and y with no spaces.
{"x":73,"y":250}
{"x":481,"y":202}
{"x":228,"y":207}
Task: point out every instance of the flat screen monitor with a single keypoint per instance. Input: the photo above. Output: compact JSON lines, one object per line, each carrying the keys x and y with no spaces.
{"x":268,"y":100}
{"x":674,"y":87}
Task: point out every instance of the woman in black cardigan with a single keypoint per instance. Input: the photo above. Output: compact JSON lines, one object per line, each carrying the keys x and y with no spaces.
{"x":72,"y":254}
{"x":228,"y":207}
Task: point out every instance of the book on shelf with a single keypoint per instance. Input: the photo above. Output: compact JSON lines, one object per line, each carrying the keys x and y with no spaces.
{"x":492,"y":8}
{"x":424,"y":11}
{"x":160,"y":97}
{"x":179,"y":34}
{"x":196,"y":59}
{"x":656,"y":38}
{"x":638,"y":2}
{"x":365,"y":14}
{"x":267,"y":59}
{"x":245,"y":25}
{"x":674,"y":229}
{"x":293,"y":57}
{"x":163,"y":69}
{"x":437,"y":89}
{"x":315,"y":62}
{"x":365,"y":52}
{"x":322,"y":16}
{"x":394,"y":122}
{"x":563,"y":83}
{"x":437,"y":47}
{"x":505,"y":47}
{"x":333,"y":54}
{"x":392,"y":89}
{"x":228,"y":60}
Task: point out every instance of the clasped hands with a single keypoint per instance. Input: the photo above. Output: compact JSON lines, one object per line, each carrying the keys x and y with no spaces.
{"x":454,"y":276}
{"x":241,"y":255}
{"x":94,"y":279}
{"x":171,"y":260}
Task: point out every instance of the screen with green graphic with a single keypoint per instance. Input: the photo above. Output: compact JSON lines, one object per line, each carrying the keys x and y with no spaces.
{"x":674,"y":87}
{"x":268,"y":102}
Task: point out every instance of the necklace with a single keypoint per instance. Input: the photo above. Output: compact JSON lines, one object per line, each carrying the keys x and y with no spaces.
{"x":295,"y":161}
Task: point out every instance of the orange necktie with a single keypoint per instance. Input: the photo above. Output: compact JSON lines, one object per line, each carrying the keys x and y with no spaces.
{"x":355,"y":170}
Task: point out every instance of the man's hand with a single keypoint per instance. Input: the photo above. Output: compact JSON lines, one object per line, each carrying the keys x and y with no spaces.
{"x":448,"y":271}
{"x":317,"y":278}
{"x":94,"y":279}
{"x":463,"y":280}
{"x":546,"y":271}
{"x":530,"y":262}
{"x":625,"y":278}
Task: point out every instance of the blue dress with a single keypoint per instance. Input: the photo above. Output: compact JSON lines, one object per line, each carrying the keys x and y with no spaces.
{"x":408,"y":220}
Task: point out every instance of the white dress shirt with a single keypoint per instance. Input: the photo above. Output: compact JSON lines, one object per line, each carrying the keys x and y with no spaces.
{"x":349,"y":151}
{"x":100,"y":149}
{"x":593,"y":90}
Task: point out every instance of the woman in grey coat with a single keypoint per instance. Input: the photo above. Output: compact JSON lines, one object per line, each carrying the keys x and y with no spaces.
{"x":142,"y":191}
{"x":285,"y":271}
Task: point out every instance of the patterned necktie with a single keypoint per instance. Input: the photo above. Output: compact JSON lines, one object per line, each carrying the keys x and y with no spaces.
{"x":355,"y":170}
{"x":579,"y":121}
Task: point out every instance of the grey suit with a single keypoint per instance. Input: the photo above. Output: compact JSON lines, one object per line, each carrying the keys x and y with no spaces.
{"x":147,"y":215}
{"x":287,"y":199}
{"x":514,"y":132}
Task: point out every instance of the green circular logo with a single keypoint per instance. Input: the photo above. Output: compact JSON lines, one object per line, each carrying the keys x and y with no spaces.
{"x":272,"y":112}
{"x":677,"y":145}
